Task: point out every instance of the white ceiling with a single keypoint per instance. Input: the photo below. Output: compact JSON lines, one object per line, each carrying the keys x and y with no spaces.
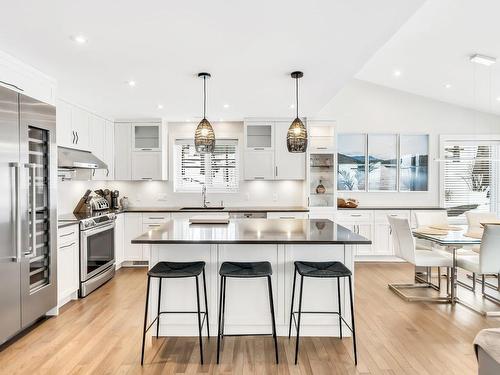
{"x":432,"y":50}
{"x":250,"y":47}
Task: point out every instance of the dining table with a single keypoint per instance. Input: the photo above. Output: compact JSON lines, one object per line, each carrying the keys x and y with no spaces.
{"x":452,"y":241}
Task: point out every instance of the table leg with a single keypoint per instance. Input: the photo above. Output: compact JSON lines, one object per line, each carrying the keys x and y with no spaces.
{"x":454,"y":276}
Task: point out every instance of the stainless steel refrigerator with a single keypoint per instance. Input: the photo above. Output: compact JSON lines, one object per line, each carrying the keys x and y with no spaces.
{"x":28,"y":221}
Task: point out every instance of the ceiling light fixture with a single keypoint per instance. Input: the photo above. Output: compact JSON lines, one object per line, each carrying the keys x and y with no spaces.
{"x":296,"y":137}
{"x":79,"y":39}
{"x":397,"y":73}
{"x":483,"y":59}
{"x":226,"y":105}
{"x":204,"y":136}
{"x":448,"y":86}
{"x":160,"y":106}
{"x":292,"y":106}
{"x":498,"y":99}
{"x":131,"y":83}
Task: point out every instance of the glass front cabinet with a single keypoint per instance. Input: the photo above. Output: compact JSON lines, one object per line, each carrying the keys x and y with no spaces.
{"x":321,"y":170}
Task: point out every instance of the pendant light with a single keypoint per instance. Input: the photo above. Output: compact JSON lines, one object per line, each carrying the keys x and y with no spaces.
{"x":204,"y":136}
{"x":296,"y":137}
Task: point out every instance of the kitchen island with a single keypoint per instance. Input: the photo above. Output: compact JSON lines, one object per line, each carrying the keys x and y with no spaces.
{"x":279,"y":241}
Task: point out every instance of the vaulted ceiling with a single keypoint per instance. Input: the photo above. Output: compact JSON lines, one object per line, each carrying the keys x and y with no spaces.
{"x":431,"y":53}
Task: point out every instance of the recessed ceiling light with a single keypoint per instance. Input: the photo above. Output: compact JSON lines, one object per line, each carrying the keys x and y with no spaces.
{"x":160,"y":106}
{"x":79,"y":39}
{"x":483,"y":60}
{"x":226,"y":105}
{"x":292,"y":106}
{"x":221,"y":119}
{"x":448,"y":86}
{"x":131,"y":83}
{"x":397,"y":73}
{"x":498,"y":98}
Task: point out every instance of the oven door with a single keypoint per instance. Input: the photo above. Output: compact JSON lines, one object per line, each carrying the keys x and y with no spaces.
{"x":97,"y":250}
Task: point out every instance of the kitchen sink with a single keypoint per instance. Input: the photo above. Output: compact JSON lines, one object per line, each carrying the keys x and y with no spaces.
{"x":202,"y":208}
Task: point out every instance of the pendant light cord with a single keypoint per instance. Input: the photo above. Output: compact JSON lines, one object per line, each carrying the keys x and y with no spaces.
{"x":297,"y":96}
{"x":204,"y":96}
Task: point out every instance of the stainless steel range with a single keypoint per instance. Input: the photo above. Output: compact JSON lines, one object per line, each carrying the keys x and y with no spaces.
{"x":97,"y":251}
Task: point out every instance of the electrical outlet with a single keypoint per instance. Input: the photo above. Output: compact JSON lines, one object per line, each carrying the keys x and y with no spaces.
{"x":275,"y":197}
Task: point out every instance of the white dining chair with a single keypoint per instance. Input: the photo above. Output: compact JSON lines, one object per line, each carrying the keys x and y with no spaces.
{"x":404,"y":243}
{"x":426,"y":219}
{"x":474,"y":220}
{"x":487,"y":261}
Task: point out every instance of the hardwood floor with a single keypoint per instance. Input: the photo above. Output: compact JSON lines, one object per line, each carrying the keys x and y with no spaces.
{"x":101,"y":334}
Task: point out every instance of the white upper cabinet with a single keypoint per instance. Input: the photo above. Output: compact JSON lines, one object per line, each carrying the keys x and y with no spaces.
{"x":141,"y":151}
{"x":81,"y":127}
{"x":288,"y":165}
{"x":259,"y":165}
{"x":73,"y":126}
{"x":146,"y":137}
{"x":259,"y":136}
{"x":123,"y":151}
{"x":109,"y":148}
{"x":146,"y":165}
{"x":266,"y":153}
{"x":25,"y":79}
{"x":321,"y":135}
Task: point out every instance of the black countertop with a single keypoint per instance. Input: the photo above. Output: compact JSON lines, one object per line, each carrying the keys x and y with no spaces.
{"x":252,"y":231}
{"x":225,"y":209}
{"x":393,"y":208}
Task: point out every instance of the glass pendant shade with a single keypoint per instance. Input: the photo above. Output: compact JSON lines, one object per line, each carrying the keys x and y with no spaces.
{"x":204,"y":137}
{"x":296,"y":137}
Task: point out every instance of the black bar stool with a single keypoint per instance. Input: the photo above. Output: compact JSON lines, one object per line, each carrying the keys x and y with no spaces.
{"x":173,"y":270}
{"x":330,"y":270}
{"x":244,"y":270}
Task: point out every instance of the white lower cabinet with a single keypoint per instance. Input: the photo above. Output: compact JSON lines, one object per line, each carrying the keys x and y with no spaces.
{"x":135,"y":224}
{"x":119,"y":240}
{"x":374,"y":225}
{"x":68,"y":251}
{"x":133,"y":229}
{"x":287,"y":215}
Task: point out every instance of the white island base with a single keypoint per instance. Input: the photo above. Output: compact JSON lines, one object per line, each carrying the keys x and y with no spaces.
{"x":247,"y":300}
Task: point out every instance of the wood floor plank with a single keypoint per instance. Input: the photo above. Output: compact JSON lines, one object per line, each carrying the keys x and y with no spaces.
{"x":101,"y":334}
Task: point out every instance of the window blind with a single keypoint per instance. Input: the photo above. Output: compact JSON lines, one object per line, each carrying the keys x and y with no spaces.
{"x":469,"y":178}
{"x":219,"y":171}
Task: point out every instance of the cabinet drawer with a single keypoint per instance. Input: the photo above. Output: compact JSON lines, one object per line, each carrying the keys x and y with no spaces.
{"x":381,"y":216}
{"x":67,"y":234}
{"x":287,"y":215}
{"x":155,"y":218}
{"x":149,"y":226}
{"x":354,"y":216}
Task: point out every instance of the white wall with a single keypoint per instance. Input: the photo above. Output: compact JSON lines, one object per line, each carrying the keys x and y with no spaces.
{"x":161,"y":193}
{"x":362,"y":107}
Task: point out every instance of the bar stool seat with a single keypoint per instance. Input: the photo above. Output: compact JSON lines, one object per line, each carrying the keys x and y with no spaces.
{"x":176,"y":270}
{"x":171,"y":270}
{"x":246,"y":269}
{"x":322,"y":269}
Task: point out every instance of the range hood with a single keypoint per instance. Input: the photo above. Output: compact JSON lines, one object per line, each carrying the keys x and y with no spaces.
{"x":68,"y":158}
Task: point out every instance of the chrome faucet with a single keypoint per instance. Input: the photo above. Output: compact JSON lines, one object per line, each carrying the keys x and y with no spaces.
{"x":204,"y":195}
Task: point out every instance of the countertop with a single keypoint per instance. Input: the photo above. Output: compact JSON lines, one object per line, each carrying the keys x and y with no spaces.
{"x":252,"y":231}
{"x":225,"y":209}
{"x":393,"y":208}
{"x":71,"y":219}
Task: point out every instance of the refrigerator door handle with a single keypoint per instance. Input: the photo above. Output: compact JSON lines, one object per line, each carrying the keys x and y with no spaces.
{"x":32,"y":168}
{"x":17,"y":210}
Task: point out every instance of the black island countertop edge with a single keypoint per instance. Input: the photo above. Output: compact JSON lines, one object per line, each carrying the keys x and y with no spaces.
{"x":253,"y":231}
